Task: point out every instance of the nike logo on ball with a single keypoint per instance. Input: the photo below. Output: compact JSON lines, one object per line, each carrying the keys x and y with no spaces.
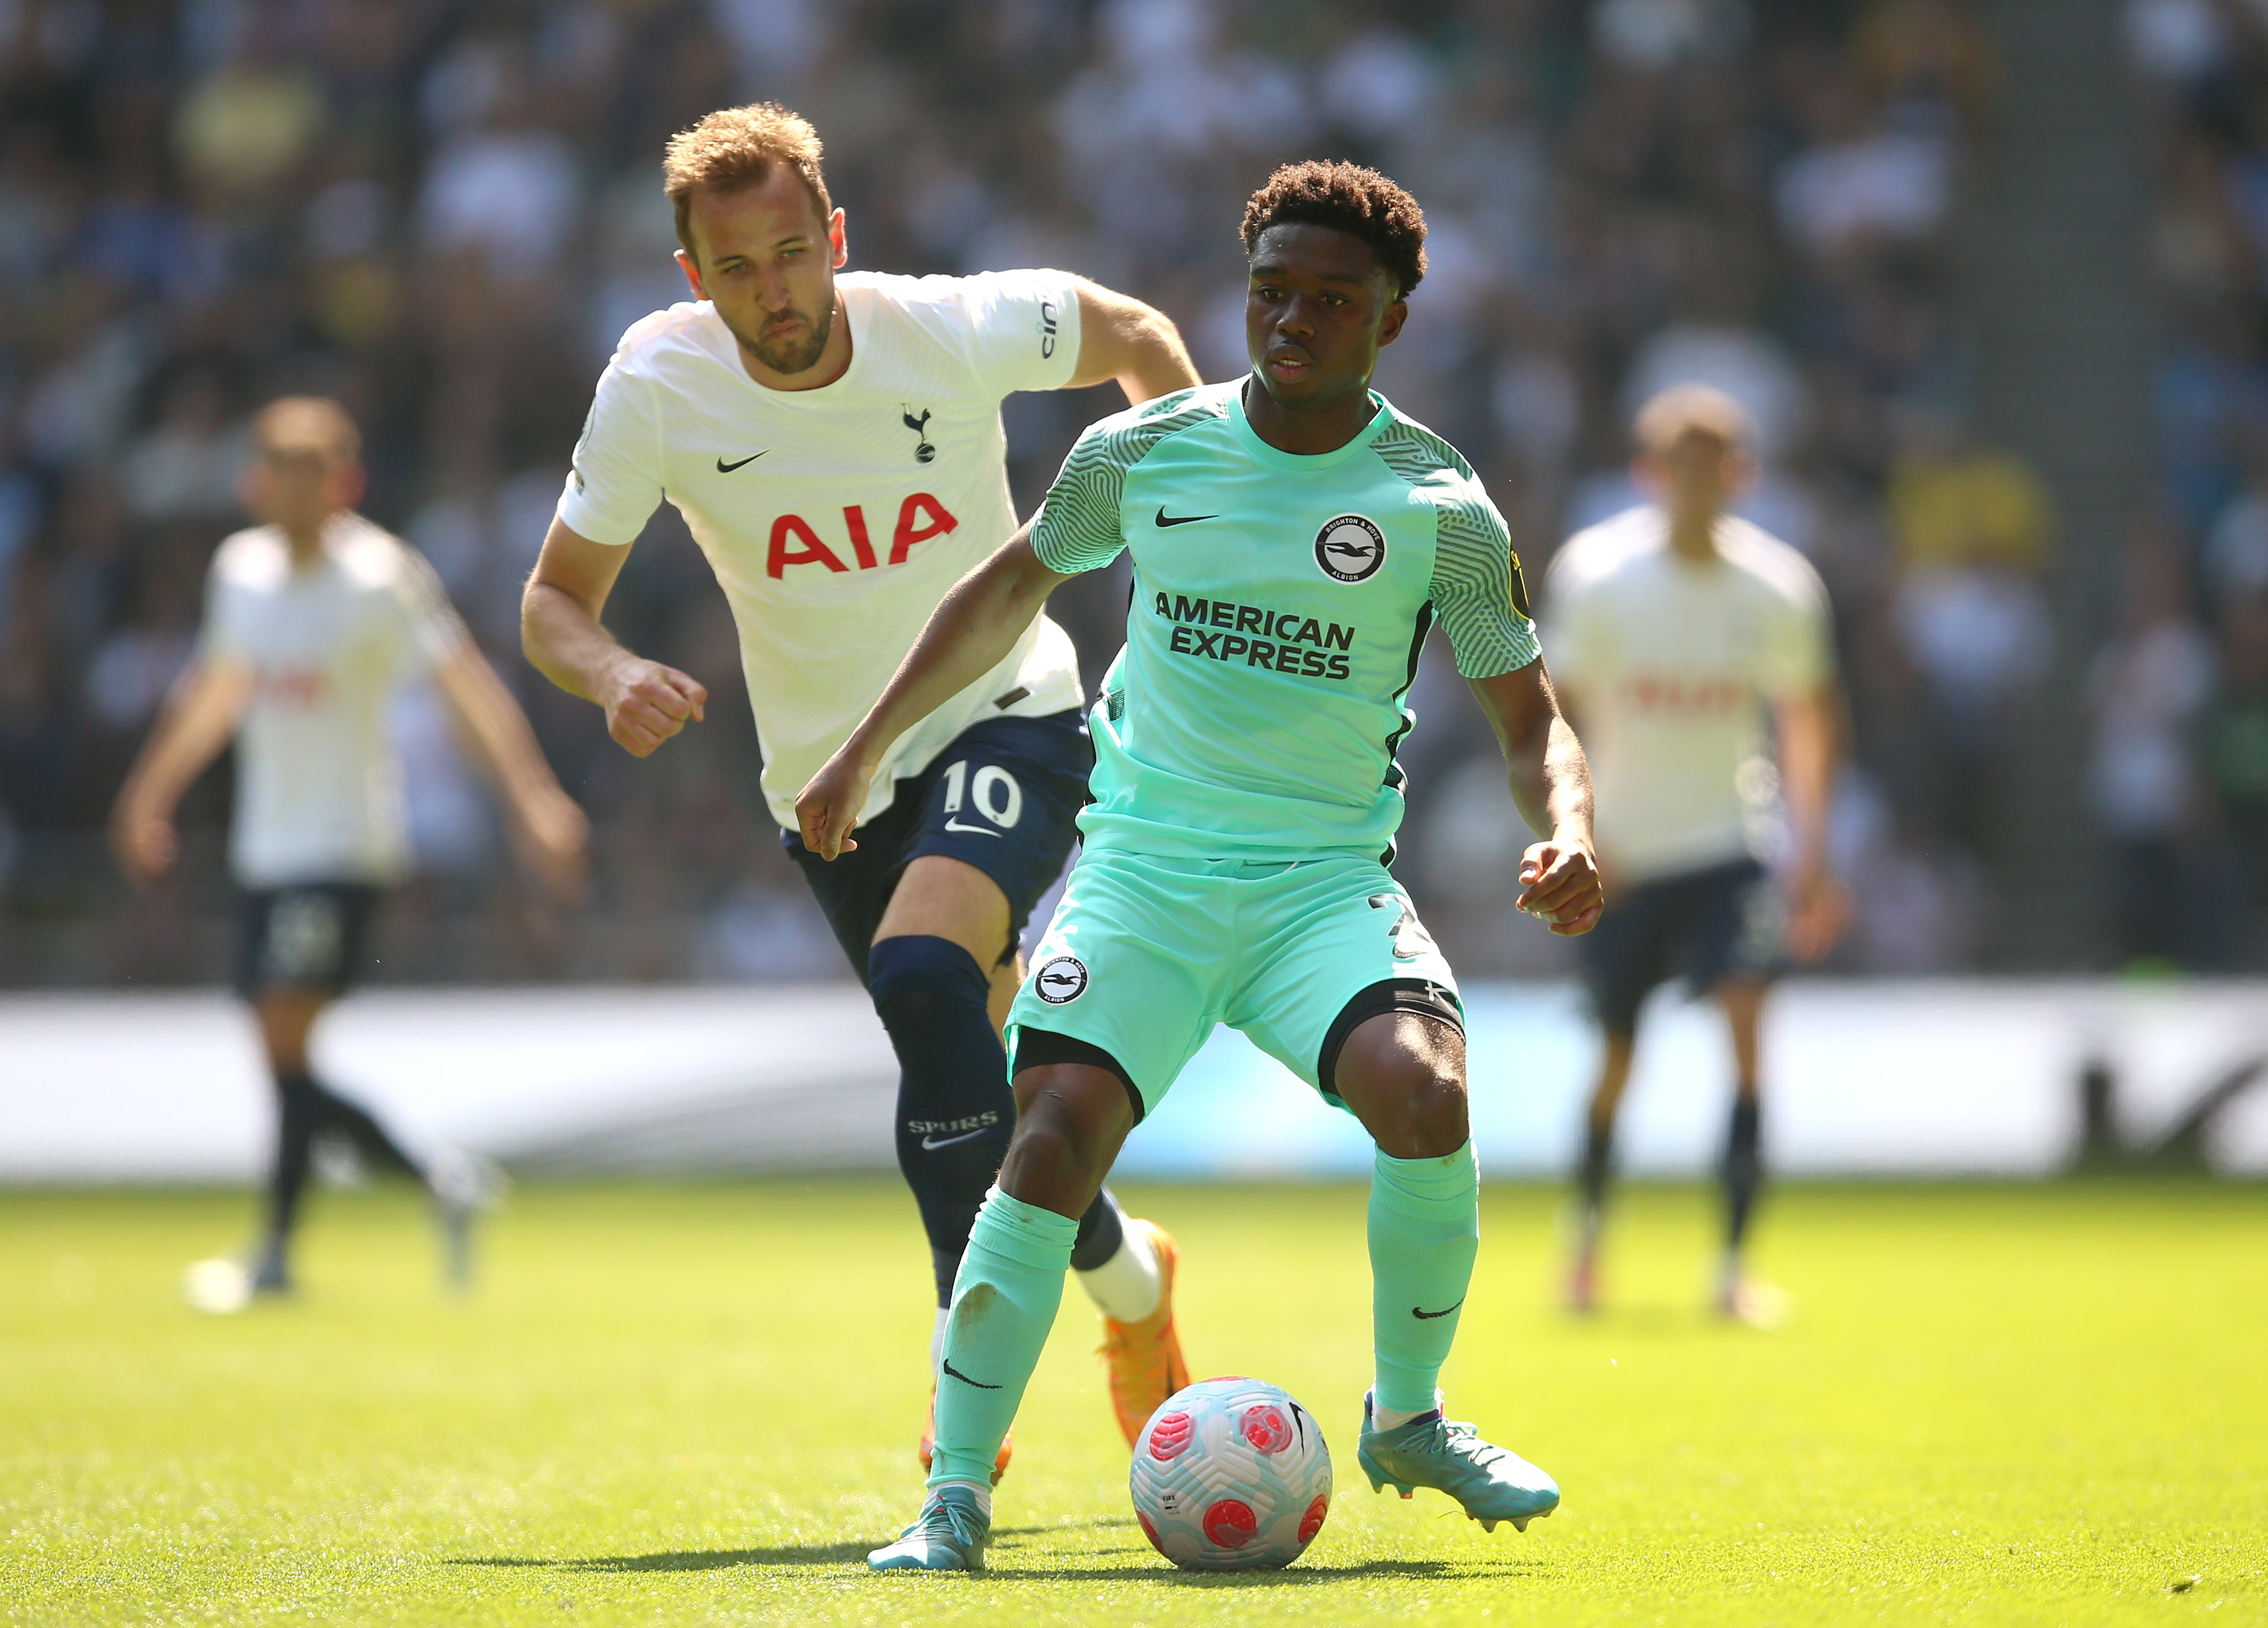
{"x":1444,"y":1312}
{"x":726,"y":469}
{"x":930,"y":1145}
{"x":1181,"y":520}
{"x":952,"y":1372}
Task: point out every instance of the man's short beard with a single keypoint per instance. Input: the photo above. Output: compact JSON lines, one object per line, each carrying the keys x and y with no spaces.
{"x":791,"y":356}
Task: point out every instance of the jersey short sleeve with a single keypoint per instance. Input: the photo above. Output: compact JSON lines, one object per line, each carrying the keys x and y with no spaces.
{"x":1568,"y":611}
{"x":1796,"y":654}
{"x":1078,"y":528}
{"x":430,"y":631}
{"x":615,"y":481}
{"x":221,"y":636}
{"x":1478,"y":592}
{"x":1023,"y":329}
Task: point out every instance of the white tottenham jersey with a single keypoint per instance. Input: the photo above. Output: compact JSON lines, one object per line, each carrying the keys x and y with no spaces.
{"x":318,"y":784}
{"x":836,"y":519}
{"x":1670,"y":664}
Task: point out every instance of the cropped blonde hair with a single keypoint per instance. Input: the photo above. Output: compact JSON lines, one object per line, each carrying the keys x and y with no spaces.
{"x":1692,"y":409}
{"x":736,"y":147}
{"x":307,"y":426}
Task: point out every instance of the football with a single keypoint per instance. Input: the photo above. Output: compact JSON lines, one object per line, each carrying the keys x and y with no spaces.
{"x":1231,"y":1475}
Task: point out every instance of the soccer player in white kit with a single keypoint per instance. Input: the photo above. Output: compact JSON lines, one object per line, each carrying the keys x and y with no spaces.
{"x":1678,"y":631}
{"x":835,"y":446}
{"x":315,"y":619}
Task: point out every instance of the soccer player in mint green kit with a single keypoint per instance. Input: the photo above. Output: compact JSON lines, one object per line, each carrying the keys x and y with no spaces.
{"x":1294,"y":539}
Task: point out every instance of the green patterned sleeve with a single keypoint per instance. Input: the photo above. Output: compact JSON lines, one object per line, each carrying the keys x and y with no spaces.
{"x":1478,"y":591}
{"x":1078,"y":526}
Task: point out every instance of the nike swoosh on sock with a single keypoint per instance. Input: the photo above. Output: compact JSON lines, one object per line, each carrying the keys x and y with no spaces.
{"x":952,"y":1372}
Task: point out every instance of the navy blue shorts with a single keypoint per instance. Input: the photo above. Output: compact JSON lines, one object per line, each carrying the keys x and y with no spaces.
{"x":1723,"y":922}
{"x":1005,"y":797}
{"x":308,"y":936}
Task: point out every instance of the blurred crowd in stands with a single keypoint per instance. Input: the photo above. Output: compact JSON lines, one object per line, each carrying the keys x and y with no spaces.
{"x":2180,"y":771}
{"x":444,"y":211}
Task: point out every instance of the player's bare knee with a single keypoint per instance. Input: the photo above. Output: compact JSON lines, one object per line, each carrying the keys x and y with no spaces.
{"x":1436,"y":1119}
{"x":286,"y":1016}
{"x":1050,"y":1163}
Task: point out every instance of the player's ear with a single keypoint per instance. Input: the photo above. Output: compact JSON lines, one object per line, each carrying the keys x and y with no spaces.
{"x":836,"y":242}
{"x":345,"y":484}
{"x":1390,"y":323}
{"x":685,"y":263}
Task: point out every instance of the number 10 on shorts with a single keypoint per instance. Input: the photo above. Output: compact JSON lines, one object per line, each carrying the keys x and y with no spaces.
{"x":992,"y":792}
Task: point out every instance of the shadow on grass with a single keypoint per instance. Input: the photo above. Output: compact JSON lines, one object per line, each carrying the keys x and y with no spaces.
{"x":839,"y":1554}
{"x":1296,"y":1576}
{"x":724,"y":1559}
{"x":684,"y":1559}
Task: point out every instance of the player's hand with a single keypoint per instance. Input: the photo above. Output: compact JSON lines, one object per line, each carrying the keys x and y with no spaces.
{"x":1820,"y":912}
{"x":828,"y":806}
{"x":647,"y":702}
{"x":144,"y":843}
{"x":1561,"y":888}
{"x":554,"y":841}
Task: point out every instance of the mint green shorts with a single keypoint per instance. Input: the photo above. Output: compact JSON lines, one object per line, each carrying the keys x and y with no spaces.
{"x":1145,"y":955}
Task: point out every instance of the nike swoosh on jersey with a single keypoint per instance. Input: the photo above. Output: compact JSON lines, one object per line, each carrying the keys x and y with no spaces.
{"x":1444,"y":1312}
{"x":1181,"y":520}
{"x":973,"y":830}
{"x":930,"y":1145}
{"x":726,"y":469}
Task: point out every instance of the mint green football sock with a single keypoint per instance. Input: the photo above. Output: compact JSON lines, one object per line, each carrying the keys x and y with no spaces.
{"x":1004,"y":1303}
{"x":1424,"y":1232}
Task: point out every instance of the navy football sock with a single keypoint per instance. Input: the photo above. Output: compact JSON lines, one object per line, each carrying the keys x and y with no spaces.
{"x":1597,"y":1167}
{"x":1744,"y":1170}
{"x":343,"y":1117}
{"x":297,"y":1111}
{"x":1101,"y":1234}
{"x":954,"y":1108}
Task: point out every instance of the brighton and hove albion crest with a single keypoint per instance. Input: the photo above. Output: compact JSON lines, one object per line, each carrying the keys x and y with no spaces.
{"x":1350,"y":548}
{"x":1063,"y":978}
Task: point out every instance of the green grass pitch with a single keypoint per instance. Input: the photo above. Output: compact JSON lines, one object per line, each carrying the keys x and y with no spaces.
{"x":697,"y":1404}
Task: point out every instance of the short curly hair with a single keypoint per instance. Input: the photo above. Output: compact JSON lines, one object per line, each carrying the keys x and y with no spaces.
{"x":736,"y":147}
{"x":1348,"y":198}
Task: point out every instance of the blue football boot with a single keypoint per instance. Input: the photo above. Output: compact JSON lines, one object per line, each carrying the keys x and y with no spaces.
{"x":949,"y":1537}
{"x":1491,"y":1483}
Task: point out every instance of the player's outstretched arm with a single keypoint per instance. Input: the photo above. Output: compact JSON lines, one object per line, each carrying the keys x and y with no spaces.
{"x":1809,"y":727}
{"x":1551,"y":784}
{"x":971,"y":632}
{"x":645,"y":703}
{"x":548,"y":827}
{"x":1121,"y":338}
{"x":200,"y":715}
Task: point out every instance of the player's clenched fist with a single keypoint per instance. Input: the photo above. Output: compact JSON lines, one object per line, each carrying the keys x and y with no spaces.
{"x":144,"y":843}
{"x":1560,"y":887}
{"x":828,"y":806}
{"x":647,"y":702}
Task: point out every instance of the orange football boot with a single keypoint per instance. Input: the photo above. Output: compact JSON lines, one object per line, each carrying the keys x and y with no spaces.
{"x":1144,"y":1358}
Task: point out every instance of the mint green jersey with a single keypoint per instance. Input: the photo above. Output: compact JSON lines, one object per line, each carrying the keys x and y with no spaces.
{"x":1280,"y":603}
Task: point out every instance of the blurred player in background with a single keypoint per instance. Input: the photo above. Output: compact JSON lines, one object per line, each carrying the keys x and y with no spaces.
{"x":1677,"y":631}
{"x":834,"y":445}
{"x":315,"y":619}
{"x":1293,"y":539}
